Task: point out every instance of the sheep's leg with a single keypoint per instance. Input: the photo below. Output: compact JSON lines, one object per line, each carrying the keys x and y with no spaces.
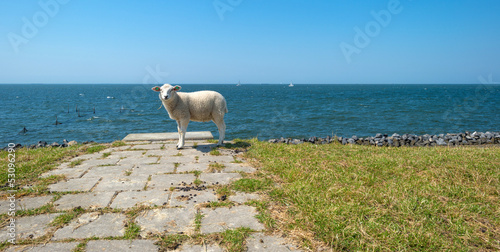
{"x":181,"y":128}
{"x":222,"y":129}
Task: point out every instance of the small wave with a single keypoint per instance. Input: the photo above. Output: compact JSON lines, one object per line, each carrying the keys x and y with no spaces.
{"x":110,"y":97}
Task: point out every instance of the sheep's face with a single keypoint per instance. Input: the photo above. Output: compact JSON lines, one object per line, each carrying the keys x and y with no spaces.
{"x":166,"y":91}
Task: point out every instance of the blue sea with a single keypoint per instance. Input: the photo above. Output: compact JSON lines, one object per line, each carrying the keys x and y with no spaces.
{"x":262,"y":111}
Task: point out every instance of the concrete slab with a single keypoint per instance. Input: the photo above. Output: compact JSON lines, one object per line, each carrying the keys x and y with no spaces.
{"x":238,"y":167}
{"x":177,"y":159}
{"x":170,"y":220}
{"x":93,"y":224}
{"x":30,"y":227}
{"x":100,"y":162}
{"x":192,"y":198}
{"x":94,"y":200}
{"x":199,"y":248}
{"x":124,"y":183}
{"x":153,"y":169}
{"x":189,"y":167}
{"x":259,"y":242}
{"x":68,"y":173}
{"x":138,"y":161}
{"x":130,"y":199}
{"x":243,"y":197}
{"x":219,"y":178}
{"x":207,"y":158}
{"x":32,"y":202}
{"x":121,"y":245}
{"x":86,"y":157}
{"x":191,"y":135}
{"x":49,"y":247}
{"x":147,"y":146}
{"x":161,"y":153}
{"x":108,"y":172}
{"x":220,"y":219}
{"x":126,"y":154}
{"x":78,"y":184}
{"x":165,"y":181}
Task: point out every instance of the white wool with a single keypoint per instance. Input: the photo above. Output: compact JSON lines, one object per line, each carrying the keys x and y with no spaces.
{"x":201,"y":106}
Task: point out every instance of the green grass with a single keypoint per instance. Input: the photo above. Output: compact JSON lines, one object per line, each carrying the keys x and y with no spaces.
{"x":250,"y":185}
{"x":118,"y":144}
{"x":96,"y":148}
{"x":215,"y":152}
{"x":360,"y":198}
{"x":31,"y":163}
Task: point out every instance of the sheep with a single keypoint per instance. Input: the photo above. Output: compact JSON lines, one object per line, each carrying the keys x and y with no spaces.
{"x":201,"y":106}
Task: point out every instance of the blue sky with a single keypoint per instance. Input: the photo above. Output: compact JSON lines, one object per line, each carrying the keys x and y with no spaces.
{"x":252,"y":41}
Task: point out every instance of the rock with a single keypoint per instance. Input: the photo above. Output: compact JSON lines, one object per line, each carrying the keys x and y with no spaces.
{"x":378,"y":135}
{"x":54,"y":144}
{"x":440,"y":142}
{"x":351,"y":141}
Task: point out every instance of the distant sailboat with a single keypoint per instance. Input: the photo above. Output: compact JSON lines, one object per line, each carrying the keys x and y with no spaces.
{"x":291,"y":84}
{"x":239,"y":84}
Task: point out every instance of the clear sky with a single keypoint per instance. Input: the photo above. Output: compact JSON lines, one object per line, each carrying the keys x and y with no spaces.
{"x":252,"y":41}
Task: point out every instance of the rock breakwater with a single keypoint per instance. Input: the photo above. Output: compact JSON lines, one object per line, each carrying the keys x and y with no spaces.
{"x":396,"y":140}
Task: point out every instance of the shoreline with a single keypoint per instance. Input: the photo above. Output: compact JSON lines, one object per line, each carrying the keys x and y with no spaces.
{"x":410,"y":140}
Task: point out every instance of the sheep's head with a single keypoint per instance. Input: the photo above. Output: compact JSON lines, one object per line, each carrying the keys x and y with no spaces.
{"x":166,"y":91}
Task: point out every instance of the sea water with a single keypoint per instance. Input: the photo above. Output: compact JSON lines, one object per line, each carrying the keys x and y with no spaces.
{"x":108,"y":112}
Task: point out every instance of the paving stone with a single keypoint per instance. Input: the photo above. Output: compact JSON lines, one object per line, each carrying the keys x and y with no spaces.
{"x":207,"y":158}
{"x":126,"y":154}
{"x":260,"y":242}
{"x":199,"y":248}
{"x":123,"y":183}
{"x":115,"y":149}
{"x":170,"y":220}
{"x":78,"y":184}
{"x":191,"y":167}
{"x":219,"y":178}
{"x":30,"y":227}
{"x":93,"y":224}
{"x":220,"y":219}
{"x":69,"y":173}
{"x":243,"y":197}
{"x":86,"y":157}
{"x":121,"y":245}
{"x":236,"y":167}
{"x":139,"y":161}
{"x":191,"y":198}
{"x":49,"y":247}
{"x":108,"y":172}
{"x":94,"y":200}
{"x":165,"y":181}
{"x":153,"y":169}
{"x":129,"y":199}
{"x":177,"y":159}
{"x":25,"y":203}
{"x":147,"y":146}
{"x":100,"y":162}
{"x":161,"y":153}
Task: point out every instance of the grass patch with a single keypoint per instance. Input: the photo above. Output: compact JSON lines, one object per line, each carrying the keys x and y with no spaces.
{"x":118,"y":144}
{"x":171,"y":242}
{"x":30,"y":164}
{"x":105,"y":155}
{"x":75,"y":163}
{"x":95,"y":148}
{"x":234,"y":239}
{"x":215,"y":167}
{"x":250,"y":185}
{"x":357,"y":198}
{"x":215,"y":152}
{"x":132,"y":230}
{"x":66,"y":218}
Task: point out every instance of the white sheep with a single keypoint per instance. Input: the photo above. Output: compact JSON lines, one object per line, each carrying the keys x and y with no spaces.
{"x":201,"y":106}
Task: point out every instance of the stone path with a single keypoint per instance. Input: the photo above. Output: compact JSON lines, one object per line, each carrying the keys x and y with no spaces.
{"x":150,"y":186}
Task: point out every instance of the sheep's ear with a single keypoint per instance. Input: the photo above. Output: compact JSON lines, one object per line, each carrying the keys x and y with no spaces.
{"x":177,"y":88}
{"x":157,"y":89}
